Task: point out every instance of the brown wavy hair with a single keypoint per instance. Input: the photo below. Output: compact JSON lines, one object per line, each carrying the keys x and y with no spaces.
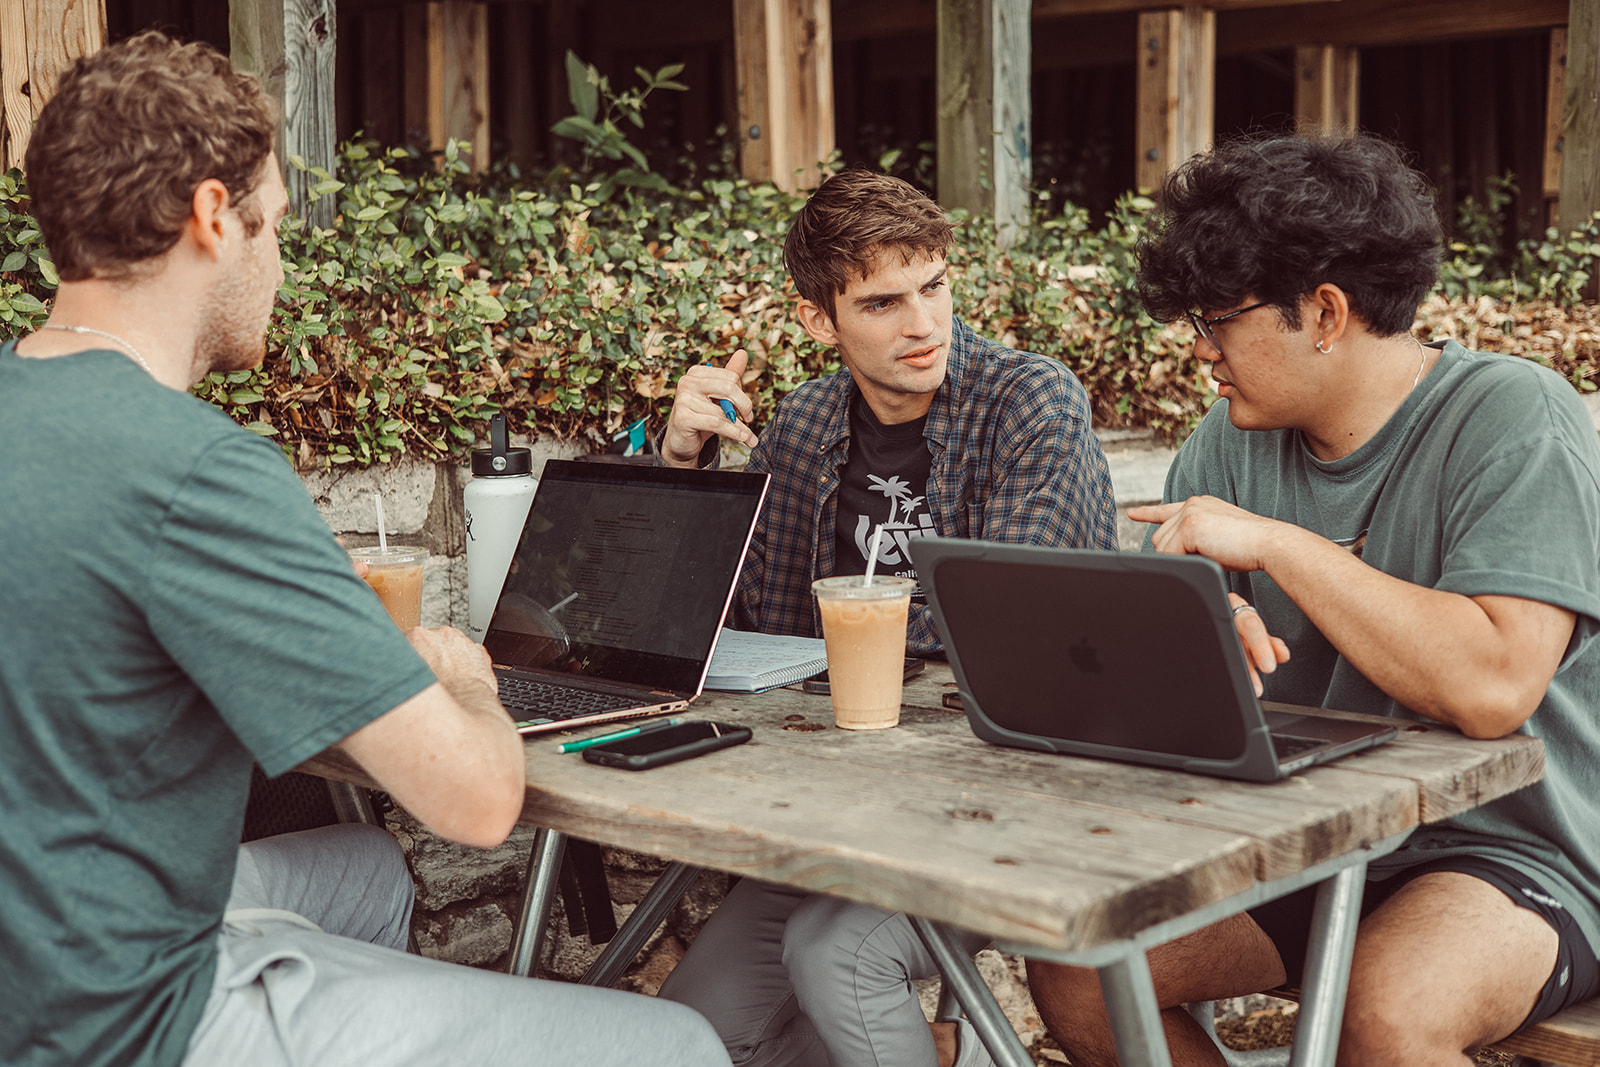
{"x":851,"y":217}
{"x":117,"y":153}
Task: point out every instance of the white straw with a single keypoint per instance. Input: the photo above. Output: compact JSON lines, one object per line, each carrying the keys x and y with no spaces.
{"x":383,"y":536}
{"x":563,"y":602}
{"x":872,"y":554}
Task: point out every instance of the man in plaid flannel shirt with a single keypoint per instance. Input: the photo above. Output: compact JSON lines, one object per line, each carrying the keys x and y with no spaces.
{"x":1003,"y":436}
{"x":960,"y":437}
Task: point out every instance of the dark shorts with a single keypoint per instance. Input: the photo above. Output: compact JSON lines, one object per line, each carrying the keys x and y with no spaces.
{"x":1576,"y":976}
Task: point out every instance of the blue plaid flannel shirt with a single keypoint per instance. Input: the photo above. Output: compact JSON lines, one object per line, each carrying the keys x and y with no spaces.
{"x":1014,"y":460}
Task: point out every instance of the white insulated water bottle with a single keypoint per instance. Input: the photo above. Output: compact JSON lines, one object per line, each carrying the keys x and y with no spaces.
{"x":496,"y":500}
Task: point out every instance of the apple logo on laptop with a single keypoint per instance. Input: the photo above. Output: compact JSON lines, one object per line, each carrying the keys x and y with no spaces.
{"x":1084,"y":657}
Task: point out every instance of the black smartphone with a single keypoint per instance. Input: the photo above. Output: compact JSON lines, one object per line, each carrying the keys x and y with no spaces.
{"x":656,"y":748}
{"x":818,"y":683}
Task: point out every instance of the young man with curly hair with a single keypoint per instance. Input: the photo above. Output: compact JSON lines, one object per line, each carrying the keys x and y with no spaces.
{"x":1409,"y":530}
{"x":176,"y":608}
{"x":928,"y":429}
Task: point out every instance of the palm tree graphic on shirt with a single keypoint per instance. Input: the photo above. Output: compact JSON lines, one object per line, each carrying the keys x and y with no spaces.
{"x":904,"y":523}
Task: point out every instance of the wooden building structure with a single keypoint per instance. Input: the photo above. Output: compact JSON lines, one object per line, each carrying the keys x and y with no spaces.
{"x":1089,"y":97}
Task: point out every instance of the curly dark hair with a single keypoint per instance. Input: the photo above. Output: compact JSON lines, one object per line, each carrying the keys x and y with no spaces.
{"x":1272,"y":218}
{"x":117,"y":152}
{"x":851,"y":217}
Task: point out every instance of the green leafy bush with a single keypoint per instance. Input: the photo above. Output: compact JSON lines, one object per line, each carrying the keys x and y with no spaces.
{"x":438,"y":298}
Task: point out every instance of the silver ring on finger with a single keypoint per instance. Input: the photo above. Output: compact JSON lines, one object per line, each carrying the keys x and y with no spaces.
{"x":1242,"y":608}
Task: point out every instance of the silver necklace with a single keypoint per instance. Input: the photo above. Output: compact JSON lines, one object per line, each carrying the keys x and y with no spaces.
{"x":1423,"y":362}
{"x":134,"y":352}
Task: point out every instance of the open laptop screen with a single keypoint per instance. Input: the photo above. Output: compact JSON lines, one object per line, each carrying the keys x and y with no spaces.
{"x":624,"y":571}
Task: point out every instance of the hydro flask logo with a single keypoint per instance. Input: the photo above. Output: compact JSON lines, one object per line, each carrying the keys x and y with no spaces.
{"x":469,"y":525}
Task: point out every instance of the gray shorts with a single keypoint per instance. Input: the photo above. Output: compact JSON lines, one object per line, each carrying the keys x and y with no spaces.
{"x":311,"y":970}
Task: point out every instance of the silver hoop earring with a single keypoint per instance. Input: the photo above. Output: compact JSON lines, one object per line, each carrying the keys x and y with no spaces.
{"x":1325,"y":351}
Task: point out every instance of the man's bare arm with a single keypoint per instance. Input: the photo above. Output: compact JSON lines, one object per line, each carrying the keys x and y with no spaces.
{"x":1481,"y":664}
{"x":450,"y":755}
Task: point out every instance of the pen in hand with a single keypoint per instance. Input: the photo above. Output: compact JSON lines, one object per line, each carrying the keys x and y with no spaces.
{"x":727,"y":406}
{"x":619,"y":735}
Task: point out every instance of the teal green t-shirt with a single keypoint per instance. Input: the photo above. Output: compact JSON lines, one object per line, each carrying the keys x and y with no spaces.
{"x":173,"y":606}
{"x":1486,"y":481}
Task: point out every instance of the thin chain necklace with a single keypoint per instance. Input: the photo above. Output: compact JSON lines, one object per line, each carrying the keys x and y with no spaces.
{"x":1423,"y":362}
{"x":132,"y":351}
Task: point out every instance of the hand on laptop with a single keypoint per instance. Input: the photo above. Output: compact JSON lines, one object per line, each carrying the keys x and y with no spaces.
{"x":1262,"y":651}
{"x":453,"y":656}
{"x":697,"y":415}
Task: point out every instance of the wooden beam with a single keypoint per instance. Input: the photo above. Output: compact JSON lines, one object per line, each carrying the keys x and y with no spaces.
{"x":1326,"y":87}
{"x":1580,"y":119}
{"x":1381,"y":22}
{"x":985,"y":157}
{"x":16,"y":110}
{"x":784,"y":58}
{"x":39,"y":39}
{"x":458,"y":77}
{"x":1176,"y":86}
{"x":1555,"y":102}
{"x":888,"y":18}
{"x":289,"y":45}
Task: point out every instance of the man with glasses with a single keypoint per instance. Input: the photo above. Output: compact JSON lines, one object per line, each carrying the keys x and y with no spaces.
{"x":1409,"y":530}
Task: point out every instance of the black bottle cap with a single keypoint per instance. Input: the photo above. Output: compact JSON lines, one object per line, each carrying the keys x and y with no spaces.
{"x":498,"y":460}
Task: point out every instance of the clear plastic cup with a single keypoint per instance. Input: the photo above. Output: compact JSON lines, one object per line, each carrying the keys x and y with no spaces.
{"x":864,"y":625}
{"x":395,"y":574}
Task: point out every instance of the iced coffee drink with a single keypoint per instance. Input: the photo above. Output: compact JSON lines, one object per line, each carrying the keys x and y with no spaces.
{"x":395,"y":574}
{"x":864,"y":626}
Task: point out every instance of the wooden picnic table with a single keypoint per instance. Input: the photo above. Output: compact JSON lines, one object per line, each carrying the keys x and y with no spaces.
{"x":1077,"y":860}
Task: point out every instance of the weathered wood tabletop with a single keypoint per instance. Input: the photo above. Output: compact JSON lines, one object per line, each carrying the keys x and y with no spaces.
{"x":1038,"y":849}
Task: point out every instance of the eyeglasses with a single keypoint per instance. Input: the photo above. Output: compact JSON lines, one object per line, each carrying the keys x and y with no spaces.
{"x":1203,"y":330}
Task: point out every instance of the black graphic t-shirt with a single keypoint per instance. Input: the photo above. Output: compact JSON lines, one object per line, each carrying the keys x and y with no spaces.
{"x":884,"y":481}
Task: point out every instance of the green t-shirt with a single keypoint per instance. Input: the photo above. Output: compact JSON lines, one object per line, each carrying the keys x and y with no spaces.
{"x":173,"y":606}
{"x":1483,"y":483}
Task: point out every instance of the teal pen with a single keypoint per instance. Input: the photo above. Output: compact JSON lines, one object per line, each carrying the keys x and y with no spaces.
{"x":620,"y":735}
{"x":727,"y":407}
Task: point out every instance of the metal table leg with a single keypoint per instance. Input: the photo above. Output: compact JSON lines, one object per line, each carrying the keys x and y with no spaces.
{"x":538,"y":893}
{"x":983,"y":1011}
{"x":1327,"y":974}
{"x":1135,"y":1015}
{"x":650,"y":913}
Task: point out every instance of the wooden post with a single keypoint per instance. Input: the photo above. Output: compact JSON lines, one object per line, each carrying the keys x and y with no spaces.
{"x":1555,"y":104}
{"x":458,"y":77}
{"x":38,"y":40}
{"x":985,"y":112}
{"x":1326,"y":87}
{"x":784,"y":59}
{"x":1580,"y":119}
{"x":289,"y":45}
{"x":1176,"y":87}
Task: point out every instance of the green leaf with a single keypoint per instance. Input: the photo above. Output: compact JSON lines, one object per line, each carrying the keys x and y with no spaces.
{"x":265,"y":429}
{"x":26,"y":303}
{"x":579,"y":129}
{"x":581,"y":89}
{"x":14,"y":262}
{"x":488,"y":309}
{"x":245,"y":396}
{"x":367,"y":214}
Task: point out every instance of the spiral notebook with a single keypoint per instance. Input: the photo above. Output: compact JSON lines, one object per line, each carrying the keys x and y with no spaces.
{"x":746,"y":662}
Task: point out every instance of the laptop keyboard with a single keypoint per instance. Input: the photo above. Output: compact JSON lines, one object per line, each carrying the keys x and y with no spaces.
{"x":532,"y":700}
{"x":1289,"y":747}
